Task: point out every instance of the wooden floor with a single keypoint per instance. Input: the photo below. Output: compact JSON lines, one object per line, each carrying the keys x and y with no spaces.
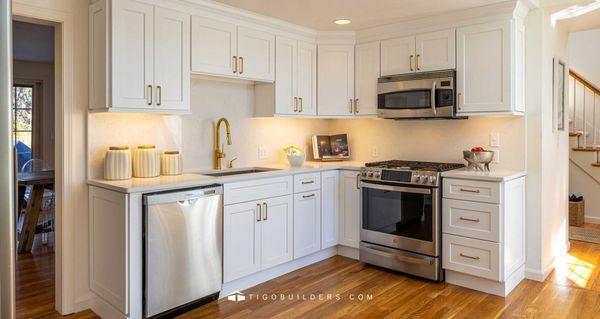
{"x":336,"y":286}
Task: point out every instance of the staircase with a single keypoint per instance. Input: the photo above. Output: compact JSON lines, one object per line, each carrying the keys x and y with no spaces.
{"x":584,"y":139}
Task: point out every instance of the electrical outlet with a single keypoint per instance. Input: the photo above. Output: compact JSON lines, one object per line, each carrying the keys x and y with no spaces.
{"x":494,"y":140}
{"x":262,"y":152}
{"x":496,"y":159}
{"x":375,"y":151}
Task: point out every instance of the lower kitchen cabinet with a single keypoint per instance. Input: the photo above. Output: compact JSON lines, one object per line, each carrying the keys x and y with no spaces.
{"x":349,"y":227}
{"x":256,"y":235}
{"x":307,"y":223}
{"x":330,"y":208}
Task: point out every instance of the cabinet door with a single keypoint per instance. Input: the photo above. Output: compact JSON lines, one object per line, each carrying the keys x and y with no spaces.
{"x":276,"y":231}
{"x":398,"y":56}
{"x":330,"y":197}
{"x":307,"y":223}
{"x":285,"y":74}
{"x":349,"y":209}
{"x":172,"y":59}
{"x":307,"y":78}
{"x":133,"y":58}
{"x":256,"y":54}
{"x":335,"y":78}
{"x":483,"y":68}
{"x":241,"y":240}
{"x":436,"y":50}
{"x":367,"y":74}
{"x":213,"y":46}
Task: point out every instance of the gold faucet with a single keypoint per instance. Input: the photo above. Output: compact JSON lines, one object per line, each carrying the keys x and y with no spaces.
{"x":219,"y":152}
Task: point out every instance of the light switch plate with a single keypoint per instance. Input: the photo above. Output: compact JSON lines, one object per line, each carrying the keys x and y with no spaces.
{"x":262,"y":152}
{"x":496,"y":159}
{"x":494,"y":140}
{"x":375,"y":151}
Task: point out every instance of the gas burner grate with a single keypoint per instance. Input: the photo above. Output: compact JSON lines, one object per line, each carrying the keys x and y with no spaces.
{"x":416,"y":165}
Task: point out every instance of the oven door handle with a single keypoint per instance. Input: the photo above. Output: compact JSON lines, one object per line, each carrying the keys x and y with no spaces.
{"x":404,"y":189}
{"x":433,"y":99}
{"x":383,"y":253}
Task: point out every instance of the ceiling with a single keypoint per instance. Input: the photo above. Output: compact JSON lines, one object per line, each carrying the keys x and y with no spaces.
{"x":320,"y":14}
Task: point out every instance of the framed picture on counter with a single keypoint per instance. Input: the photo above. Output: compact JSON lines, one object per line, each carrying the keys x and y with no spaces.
{"x":560,"y":82}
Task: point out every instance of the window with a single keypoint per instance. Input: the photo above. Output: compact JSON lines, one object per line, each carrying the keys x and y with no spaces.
{"x":23,"y":120}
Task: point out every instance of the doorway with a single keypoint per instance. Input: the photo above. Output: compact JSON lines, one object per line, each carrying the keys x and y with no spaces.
{"x":33,"y":128}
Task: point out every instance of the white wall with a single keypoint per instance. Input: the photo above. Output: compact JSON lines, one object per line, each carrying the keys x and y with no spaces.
{"x":547,"y":151}
{"x":584,"y":49}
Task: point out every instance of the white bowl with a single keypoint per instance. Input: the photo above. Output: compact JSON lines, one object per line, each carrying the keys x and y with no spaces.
{"x":296,"y":160}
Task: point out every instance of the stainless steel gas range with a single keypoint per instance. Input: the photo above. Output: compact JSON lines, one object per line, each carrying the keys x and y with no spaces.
{"x":401,"y":216}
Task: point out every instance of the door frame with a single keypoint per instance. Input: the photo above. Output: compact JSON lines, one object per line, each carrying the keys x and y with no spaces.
{"x":65,"y":270}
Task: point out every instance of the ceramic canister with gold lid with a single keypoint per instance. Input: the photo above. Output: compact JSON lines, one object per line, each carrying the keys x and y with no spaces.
{"x":170,"y":163}
{"x":146,"y":161}
{"x":117,"y":163}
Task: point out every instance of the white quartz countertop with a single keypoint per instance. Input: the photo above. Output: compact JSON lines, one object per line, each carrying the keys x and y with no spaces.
{"x":491,"y":176}
{"x":187,"y":180}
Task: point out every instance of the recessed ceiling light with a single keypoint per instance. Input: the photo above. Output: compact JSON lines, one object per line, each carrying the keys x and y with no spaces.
{"x":342,"y":21}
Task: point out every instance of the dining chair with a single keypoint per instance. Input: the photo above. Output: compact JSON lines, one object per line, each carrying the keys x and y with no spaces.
{"x":48,"y":202}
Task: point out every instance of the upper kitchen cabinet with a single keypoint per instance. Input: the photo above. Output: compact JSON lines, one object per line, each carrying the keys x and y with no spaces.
{"x":424,"y":52}
{"x":490,"y":68}
{"x":294,"y":92}
{"x":139,"y":58}
{"x":225,"y":49}
{"x":366,"y":76}
{"x":335,"y":77}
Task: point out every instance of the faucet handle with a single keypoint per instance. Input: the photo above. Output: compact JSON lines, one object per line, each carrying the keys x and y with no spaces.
{"x":230,"y":163}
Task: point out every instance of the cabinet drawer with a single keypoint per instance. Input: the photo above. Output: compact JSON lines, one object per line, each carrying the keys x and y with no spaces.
{"x":478,"y":191}
{"x":471,"y":256}
{"x":471,"y":219}
{"x":256,"y":189}
{"x":307,"y":182}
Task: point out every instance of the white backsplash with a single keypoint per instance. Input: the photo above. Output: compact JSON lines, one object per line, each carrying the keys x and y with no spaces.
{"x":432,"y":140}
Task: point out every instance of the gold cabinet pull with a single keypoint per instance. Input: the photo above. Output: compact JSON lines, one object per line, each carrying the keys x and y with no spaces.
{"x":410,"y":62}
{"x":418,"y":67}
{"x":241,"y":65}
{"x":149,"y":95}
{"x":470,"y":190}
{"x":295,"y":104}
{"x":308,"y":182}
{"x":350,"y":105}
{"x":356,"y":106}
{"x":266,"y":208}
{"x":159,"y":93}
{"x":458,"y":100}
{"x":300,"y":99}
{"x":357,"y":181}
{"x":470,"y":257}
{"x":258,"y":212}
{"x":235,"y":64}
{"x":308,"y":196}
{"x":469,"y":219}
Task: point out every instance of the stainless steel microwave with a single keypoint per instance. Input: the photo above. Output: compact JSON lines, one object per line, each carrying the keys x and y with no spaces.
{"x":421,"y":95}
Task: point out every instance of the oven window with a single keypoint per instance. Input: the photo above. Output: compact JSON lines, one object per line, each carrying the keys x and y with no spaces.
{"x":414,"y":99}
{"x":398,"y":213}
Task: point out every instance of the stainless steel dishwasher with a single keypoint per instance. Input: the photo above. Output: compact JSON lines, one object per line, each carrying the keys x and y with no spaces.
{"x":183,"y":244}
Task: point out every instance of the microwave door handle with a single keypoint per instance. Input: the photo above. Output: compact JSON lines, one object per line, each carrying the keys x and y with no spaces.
{"x":433,"y":99}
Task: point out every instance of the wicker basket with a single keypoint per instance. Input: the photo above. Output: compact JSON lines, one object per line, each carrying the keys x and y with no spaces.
{"x":576,"y":213}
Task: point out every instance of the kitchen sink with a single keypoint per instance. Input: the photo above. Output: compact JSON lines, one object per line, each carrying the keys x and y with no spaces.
{"x":251,"y":170}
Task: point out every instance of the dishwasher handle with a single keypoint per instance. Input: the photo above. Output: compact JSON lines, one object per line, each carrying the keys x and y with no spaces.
{"x":184,"y":195}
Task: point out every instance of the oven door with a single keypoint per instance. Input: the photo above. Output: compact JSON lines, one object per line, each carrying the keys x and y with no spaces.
{"x":423,"y":98}
{"x":401,"y":217}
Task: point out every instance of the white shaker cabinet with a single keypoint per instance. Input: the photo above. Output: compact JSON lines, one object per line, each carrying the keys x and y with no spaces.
{"x":306,"y":79}
{"x":367,"y":70}
{"x":256,"y":54}
{"x":398,"y":56}
{"x":139,"y":58}
{"x":214,"y":46}
{"x":335,"y":77}
{"x":349,"y":227}
{"x":330,"y":197}
{"x":276,"y":231}
{"x":431,"y":51}
{"x":489,"y":68}
{"x":307,"y":223}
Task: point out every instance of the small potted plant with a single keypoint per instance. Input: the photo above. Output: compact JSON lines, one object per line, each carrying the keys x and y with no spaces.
{"x":295,"y":155}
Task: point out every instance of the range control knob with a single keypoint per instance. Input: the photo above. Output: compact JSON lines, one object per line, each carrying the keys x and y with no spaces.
{"x":377,"y":175}
{"x":370,"y":174}
{"x":431,"y":179}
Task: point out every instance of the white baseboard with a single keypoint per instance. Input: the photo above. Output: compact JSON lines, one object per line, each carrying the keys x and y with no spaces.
{"x":82,"y":303}
{"x":501,"y":289}
{"x":346,"y":251}
{"x":104,"y":309}
{"x":268,"y":274}
{"x":592,"y":220}
{"x":540,"y":275}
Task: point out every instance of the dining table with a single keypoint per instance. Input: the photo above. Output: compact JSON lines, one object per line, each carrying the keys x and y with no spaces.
{"x":38,"y":182}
